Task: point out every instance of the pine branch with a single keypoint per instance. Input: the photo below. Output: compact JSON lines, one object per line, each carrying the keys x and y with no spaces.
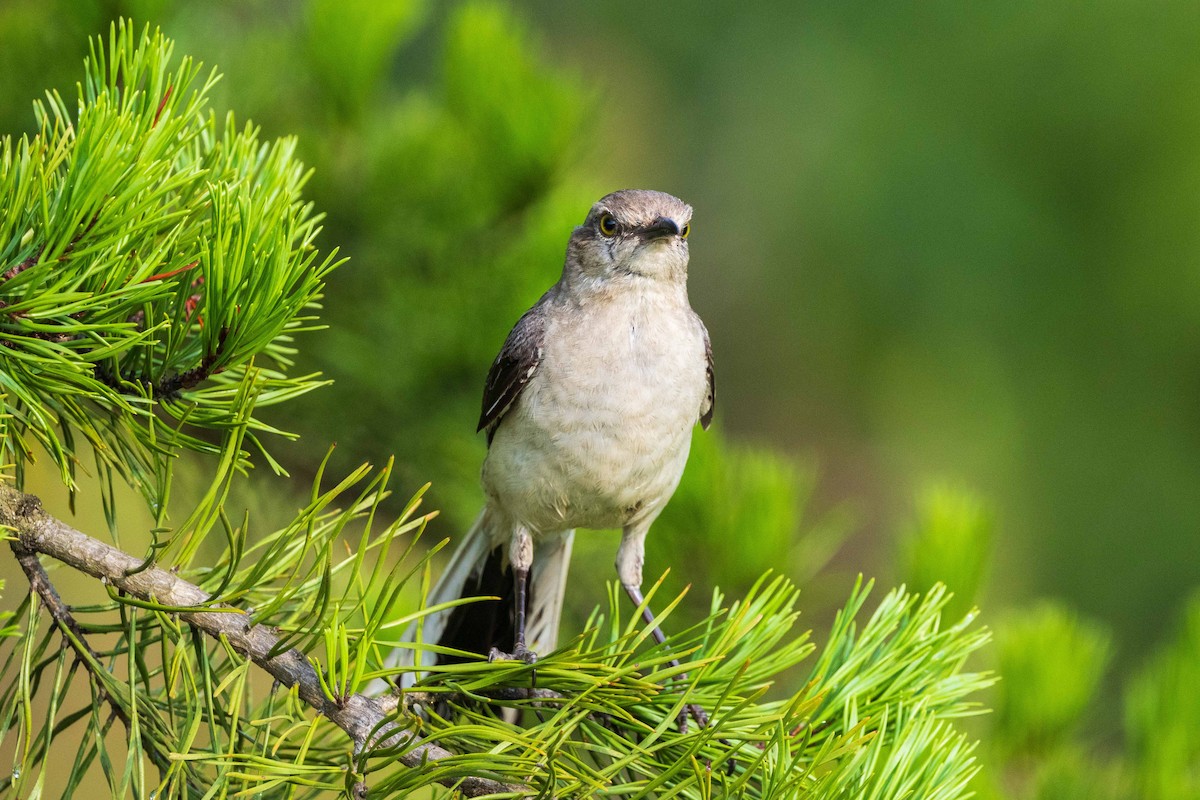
{"x":362,"y":718}
{"x":168,"y":387}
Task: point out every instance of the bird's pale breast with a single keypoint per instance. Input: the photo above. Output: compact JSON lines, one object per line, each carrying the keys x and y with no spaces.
{"x":600,"y":436}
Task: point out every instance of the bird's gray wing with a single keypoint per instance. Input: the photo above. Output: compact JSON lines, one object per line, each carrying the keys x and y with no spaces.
{"x":513,"y":368}
{"x":710,"y":399}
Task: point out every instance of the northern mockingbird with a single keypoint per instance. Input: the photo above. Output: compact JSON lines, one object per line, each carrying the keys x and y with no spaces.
{"x":588,"y":410}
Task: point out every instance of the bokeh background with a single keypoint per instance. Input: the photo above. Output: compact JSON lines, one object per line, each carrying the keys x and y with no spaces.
{"x":947,"y":254}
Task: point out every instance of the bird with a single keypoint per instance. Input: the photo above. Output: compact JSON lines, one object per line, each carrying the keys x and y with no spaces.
{"x":588,"y":412}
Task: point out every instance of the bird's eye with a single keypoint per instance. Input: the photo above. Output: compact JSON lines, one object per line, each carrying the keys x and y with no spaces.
{"x":608,"y":225}
{"x":683,"y":234}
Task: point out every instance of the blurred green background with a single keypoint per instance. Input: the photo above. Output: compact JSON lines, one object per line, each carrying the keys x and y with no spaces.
{"x":936,"y":245}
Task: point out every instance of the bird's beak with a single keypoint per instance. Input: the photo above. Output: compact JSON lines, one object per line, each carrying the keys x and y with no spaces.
{"x":660,"y":228}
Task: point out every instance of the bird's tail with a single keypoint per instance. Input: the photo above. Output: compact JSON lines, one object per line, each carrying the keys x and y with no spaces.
{"x":548,"y":588}
{"x":479,"y":568}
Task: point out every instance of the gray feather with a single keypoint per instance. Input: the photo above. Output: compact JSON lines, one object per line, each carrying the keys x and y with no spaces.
{"x":516,"y":364}
{"x":710,"y":399}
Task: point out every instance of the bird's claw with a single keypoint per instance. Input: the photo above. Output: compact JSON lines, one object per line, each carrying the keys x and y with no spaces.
{"x":519,"y":653}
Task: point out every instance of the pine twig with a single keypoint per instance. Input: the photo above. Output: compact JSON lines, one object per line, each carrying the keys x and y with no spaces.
{"x":169,"y":387}
{"x":361,"y":717}
{"x":39,"y":581}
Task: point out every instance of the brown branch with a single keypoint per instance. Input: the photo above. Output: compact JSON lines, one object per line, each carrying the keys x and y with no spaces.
{"x":39,"y":581}
{"x":170,"y":387}
{"x":361,"y":717}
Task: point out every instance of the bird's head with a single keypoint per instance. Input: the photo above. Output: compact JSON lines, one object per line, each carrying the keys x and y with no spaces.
{"x":632,"y":233}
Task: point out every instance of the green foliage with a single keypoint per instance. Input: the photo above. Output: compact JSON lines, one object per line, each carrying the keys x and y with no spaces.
{"x":871,"y":721}
{"x":950,"y":542}
{"x":1051,"y":666}
{"x":350,"y":44}
{"x":934,"y":761}
{"x":147,"y":250}
{"x":525,"y":115}
{"x":1162,"y":715}
{"x":1073,"y":775}
{"x":1051,"y":663}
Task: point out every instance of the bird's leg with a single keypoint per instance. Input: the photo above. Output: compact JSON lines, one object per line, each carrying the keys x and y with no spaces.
{"x":520,"y":557}
{"x":521,"y":578}
{"x":630,"y":557}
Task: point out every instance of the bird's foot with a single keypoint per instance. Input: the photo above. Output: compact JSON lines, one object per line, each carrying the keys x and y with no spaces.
{"x":519,"y":653}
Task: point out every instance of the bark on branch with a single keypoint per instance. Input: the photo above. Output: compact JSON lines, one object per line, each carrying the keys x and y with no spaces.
{"x":362,"y":718}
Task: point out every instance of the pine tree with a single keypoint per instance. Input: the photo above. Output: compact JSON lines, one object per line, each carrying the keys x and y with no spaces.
{"x":156,"y":267}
